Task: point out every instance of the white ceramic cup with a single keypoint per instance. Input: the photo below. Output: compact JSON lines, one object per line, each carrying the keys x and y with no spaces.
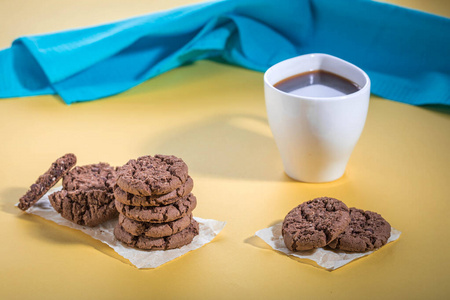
{"x":316,"y":135}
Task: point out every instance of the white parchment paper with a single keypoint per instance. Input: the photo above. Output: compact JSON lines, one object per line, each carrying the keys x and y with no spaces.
{"x":328,"y":259}
{"x":139,"y":258}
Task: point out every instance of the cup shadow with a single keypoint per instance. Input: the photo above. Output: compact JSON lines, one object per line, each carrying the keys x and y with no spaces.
{"x":226,"y":146}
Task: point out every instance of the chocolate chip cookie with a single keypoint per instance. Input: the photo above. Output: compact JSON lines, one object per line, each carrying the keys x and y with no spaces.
{"x":314,"y":223}
{"x":154,"y":200}
{"x":148,"y":175}
{"x":88,"y":208}
{"x":159,"y":214}
{"x":367,"y":231}
{"x":46,"y":181}
{"x":154,"y":230}
{"x":176,"y":240}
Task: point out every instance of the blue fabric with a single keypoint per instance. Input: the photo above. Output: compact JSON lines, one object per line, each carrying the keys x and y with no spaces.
{"x":405,"y":52}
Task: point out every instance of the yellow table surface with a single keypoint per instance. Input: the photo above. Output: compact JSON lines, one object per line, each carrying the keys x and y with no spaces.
{"x":213,"y":116}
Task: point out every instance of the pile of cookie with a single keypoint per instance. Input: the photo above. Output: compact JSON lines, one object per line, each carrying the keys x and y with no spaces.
{"x":87,"y":196}
{"x":329,"y":222}
{"x":155,"y":203}
{"x":152,"y":194}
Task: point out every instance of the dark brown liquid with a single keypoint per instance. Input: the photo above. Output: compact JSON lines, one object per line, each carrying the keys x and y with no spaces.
{"x":328,"y":84}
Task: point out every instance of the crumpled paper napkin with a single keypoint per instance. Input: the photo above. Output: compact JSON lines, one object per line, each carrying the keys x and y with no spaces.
{"x":328,"y":259}
{"x":140,"y":258}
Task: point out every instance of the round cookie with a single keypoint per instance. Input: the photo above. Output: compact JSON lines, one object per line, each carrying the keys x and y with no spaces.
{"x":147,"y":175}
{"x":154,"y":200}
{"x":87,"y":197}
{"x":177,"y":240}
{"x":154,"y":230}
{"x":367,"y":231}
{"x":159,"y":214}
{"x":88,"y":208}
{"x":314,"y":223}
{"x":47,"y":180}
{"x":99,"y":176}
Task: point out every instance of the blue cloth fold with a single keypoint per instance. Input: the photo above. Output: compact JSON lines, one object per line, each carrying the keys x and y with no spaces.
{"x":405,"y":52}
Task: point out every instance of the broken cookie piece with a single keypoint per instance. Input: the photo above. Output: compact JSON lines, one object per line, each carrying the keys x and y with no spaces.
{"x":46,"y":181}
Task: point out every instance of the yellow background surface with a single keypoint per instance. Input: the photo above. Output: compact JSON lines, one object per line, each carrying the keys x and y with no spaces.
{"x":213,"y":116}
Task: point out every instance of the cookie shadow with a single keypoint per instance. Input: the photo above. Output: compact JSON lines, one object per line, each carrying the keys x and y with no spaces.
{"x":307,"y":262}
{"x":238,"y":146}
{"x":257,"y":242}
{"x":276,"y":233}
{"x":48,"y":231}
{"x":9,"y":198}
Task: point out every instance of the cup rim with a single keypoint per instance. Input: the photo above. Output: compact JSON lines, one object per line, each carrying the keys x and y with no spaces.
{"x":312,"y":55}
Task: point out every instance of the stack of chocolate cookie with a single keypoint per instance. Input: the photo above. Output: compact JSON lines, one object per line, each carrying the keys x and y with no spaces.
{"x":155,"y":203}
{"x":329,"y":222}
{"x":87,"y":196}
